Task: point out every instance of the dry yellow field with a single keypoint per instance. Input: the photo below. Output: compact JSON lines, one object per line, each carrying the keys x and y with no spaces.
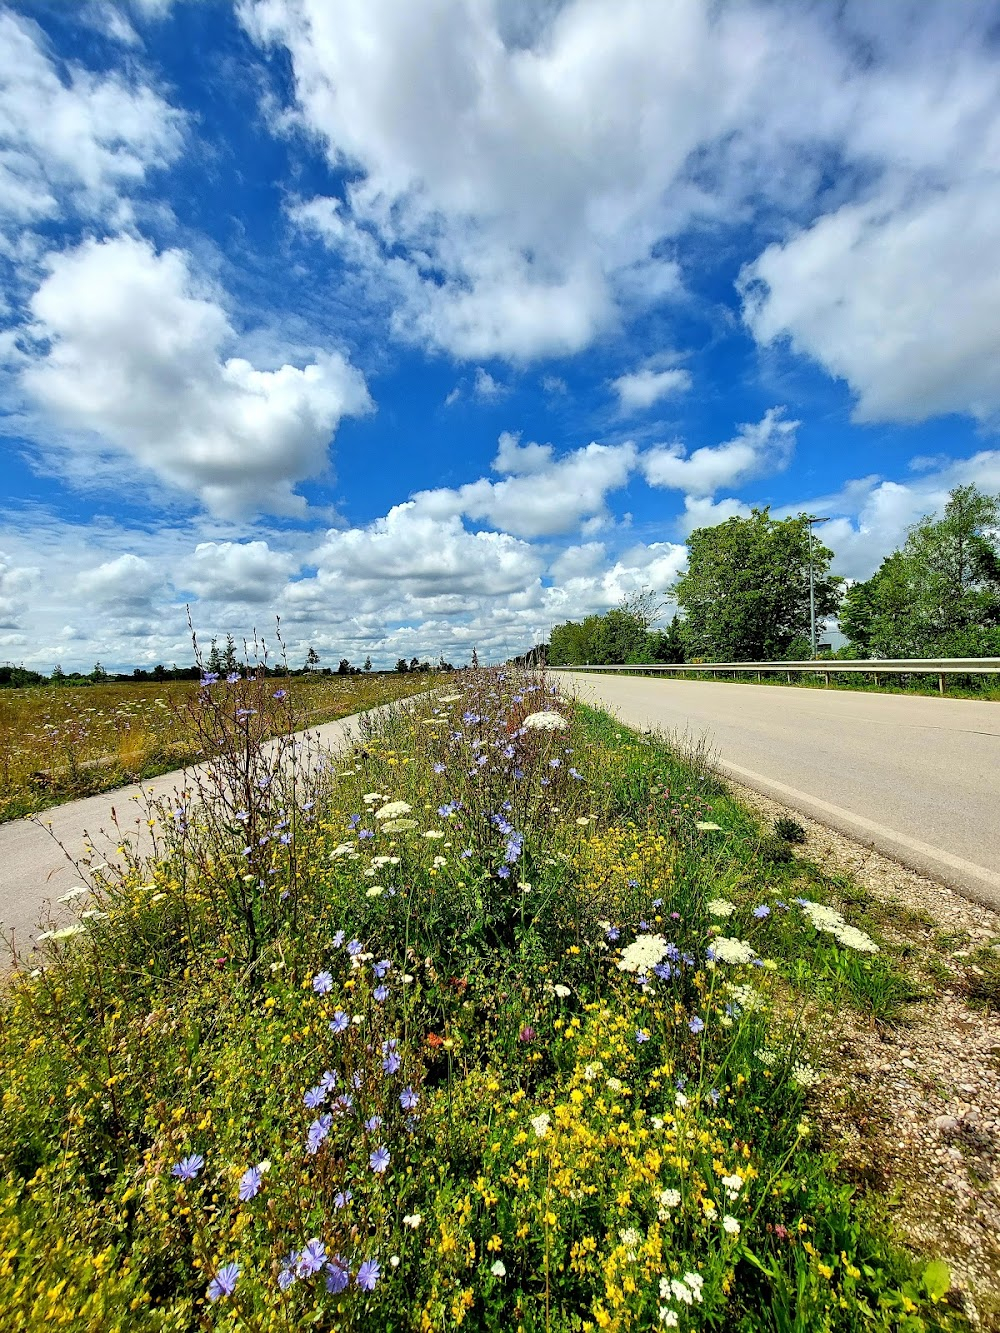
{"x":60,"y":742}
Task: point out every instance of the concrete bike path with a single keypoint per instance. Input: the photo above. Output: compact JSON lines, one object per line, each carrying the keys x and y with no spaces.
{"x":916,"y":777}
{"x":35,"y":869}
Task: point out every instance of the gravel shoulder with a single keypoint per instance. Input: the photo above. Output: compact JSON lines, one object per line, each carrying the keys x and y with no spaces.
{"x":912,"y":1107}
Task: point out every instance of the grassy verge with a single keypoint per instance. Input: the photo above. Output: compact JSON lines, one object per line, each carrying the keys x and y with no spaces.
{"x":509,"y":1022}
{"x":957,"y":687}
{"x":61,"y":743}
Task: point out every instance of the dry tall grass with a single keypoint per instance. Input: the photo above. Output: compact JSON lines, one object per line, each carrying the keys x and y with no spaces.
{"x":59,"y":742}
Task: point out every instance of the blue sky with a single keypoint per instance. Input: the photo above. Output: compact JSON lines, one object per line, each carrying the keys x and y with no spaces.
{"x":428,"y":326}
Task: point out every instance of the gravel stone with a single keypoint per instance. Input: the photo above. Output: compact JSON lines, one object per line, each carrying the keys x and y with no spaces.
{"x":896,"y":1090}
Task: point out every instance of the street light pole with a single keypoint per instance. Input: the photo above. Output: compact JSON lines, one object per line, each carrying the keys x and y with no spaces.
{"x":810,"y":520}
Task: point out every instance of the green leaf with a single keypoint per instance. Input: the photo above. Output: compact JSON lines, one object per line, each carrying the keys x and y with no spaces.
{"x":936,"y":1278}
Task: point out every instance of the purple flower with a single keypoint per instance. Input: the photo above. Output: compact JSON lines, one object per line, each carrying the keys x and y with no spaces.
{"x":209,"y":678}
{"x":250,"y":1183}
{"x":379,"y":1160}
{"x":338,"y":939}
{"x":381,"y":968}
{"x":314,"y":1097}
{"x":342,"y":1104}
{"x":662,"y":970}
{"x":408,"y":1099}
{"x":641,"y":1036}
{"x":439,"y":768}
{"x":643,"y":925}
{"x":354,"y":947}
{"x":353,"y":820}
{"x":339,"y":1022}
{"x":657,"y":902}
{"x":312,"y":1258}
{"x":380,"y":993}
{"x":337,"y":1275}
{"x":322,"y":983}
{"x":318,"y":1131}
{"x":762,"y":911}
{"x":514,"y":848}
{"x":613,"y":933}
{"x":504,"y":872}
{"x":527,"y":1034}
{"x":329,"y":1080}
{"x":224,"y":1282}
{"x":391,"y":1063}
{"x":342,"y":1199}
{"x":697,"y":1025}
{"x":368,"y":1275}
{"x":373,"y":1123}
{"x":232,"y":678}
{"x":280,"y":694}
{"x":286,"y":1277}
{"x":188,"y":1167}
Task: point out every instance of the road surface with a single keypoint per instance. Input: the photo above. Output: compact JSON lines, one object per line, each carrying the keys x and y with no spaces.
{"x":35,"y":858}
{"x":916,"y":777}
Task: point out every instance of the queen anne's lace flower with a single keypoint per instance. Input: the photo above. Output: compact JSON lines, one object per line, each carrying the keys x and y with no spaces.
{"x":642,"y":954}
{"x":729,"y":950}
{"x":393,"y":810}
{"x":828,"y":919}
{"x":547,"y":720}
{"x":720,"y":907}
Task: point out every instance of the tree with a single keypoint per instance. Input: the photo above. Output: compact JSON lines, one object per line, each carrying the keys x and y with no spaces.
{"x":215,"y":663}
{"x":669,"y":646}
{"x":312,"y":658}
{"x":414,"y":663}
{"x":229,"y":662}
{"x":345,"y":667}
{"x":745,"y":595}
{"x":401,"y":665}
{"x":368,"y":663}
{"x":475,"y":660}
{"x":939,"y":596}
{"x":98,"y":674}
{"x":58,"y":675}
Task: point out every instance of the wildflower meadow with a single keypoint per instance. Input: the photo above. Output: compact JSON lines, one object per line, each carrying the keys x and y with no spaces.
{"x":508,"y":1019}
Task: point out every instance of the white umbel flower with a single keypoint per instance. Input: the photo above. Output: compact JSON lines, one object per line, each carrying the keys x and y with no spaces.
{"x":547,"y":720}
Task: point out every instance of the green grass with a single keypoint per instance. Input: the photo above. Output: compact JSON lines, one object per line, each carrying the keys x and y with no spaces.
{"x":564,"y":1148}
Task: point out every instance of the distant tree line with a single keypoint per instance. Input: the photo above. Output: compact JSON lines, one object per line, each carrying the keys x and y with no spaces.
{"x":745,"y":596}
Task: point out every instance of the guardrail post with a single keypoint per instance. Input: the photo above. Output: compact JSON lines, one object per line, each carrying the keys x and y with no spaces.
{"x":826,"y":677}
{"x":940,"y":682}
{"x":789,"y":675}
{"x":875,"y":674}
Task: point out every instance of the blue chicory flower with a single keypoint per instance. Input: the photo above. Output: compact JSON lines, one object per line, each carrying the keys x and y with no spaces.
{"x":250,"y":1183}
{"x":224,"y":1282}
{"x":188,"y":1167}
{"x":368,"y":1275}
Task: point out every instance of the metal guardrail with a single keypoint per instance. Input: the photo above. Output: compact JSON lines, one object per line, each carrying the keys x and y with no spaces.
{"x":872,"y":666}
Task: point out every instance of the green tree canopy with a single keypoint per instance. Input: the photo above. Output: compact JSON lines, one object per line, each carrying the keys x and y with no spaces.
{"x":745,"y":595}
{"x":939,"y":596}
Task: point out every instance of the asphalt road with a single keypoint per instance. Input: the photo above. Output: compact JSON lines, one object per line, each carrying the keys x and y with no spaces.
{"x":916,"y":777}
{"x":36,"y":858}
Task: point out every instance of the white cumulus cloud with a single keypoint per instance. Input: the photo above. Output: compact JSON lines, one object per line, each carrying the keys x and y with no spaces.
{"x":134,"y":355}
{"x":642,"y":388}
{"x":757,"y":448}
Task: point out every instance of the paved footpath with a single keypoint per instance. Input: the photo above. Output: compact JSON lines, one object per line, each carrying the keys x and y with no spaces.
{"x":35,"y":869}
{"x":914,"y":776}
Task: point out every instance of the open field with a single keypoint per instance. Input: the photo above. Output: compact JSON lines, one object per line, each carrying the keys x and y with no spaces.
{"x":57,"y":743}
{"x":511,"y":1019}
